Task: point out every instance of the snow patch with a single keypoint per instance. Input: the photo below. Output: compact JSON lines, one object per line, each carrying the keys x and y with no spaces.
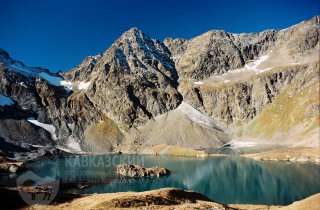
{"x":198,"y":83}
{"x":50,"y":128}
{"x":198,"y":117}
{"x":5,"y":101}
{"x":32,"y":72}
{"x":83,"y":85}
{"x":18,"y":67}
{"x":72,"y":146}
{"x":23,"y":84}
{"x":36,"y":146}
{"x":253,"y":65}
{"x":67,"y":84}
{"x":239,"y":144}
{"x":51,"y":79}
{"x":78,"y":85}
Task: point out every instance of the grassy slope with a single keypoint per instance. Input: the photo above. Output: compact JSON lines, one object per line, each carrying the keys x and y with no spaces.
{"x":103,"y":135}
{"x":294,"y":114}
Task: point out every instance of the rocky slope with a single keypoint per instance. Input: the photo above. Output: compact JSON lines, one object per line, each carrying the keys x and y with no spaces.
{"x":182,"y":127}
{"x":166,"y":198}
{"x":287,"y":62}
{"x":218,"y":52}
{"x":132,"y":81}
{"x":130,"y":94}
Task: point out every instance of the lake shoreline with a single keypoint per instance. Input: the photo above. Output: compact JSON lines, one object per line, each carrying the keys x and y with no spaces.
{"x":238,"y":162}
{"x":289,"y":154}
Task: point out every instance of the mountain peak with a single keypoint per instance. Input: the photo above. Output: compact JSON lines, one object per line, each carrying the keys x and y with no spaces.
{"x":133,"y":33}
{"x":134,"y":29}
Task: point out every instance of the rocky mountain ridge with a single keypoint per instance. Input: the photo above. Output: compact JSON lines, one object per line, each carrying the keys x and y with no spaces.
{"x":229,"y":77}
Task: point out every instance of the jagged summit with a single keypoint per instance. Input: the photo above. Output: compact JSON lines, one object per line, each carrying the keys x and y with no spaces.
{"x":217,"y":52}
{"x":230,"y":78}
{"x":135,"y":74}
{"x":134,"y":31}
{"x":18,"y":67}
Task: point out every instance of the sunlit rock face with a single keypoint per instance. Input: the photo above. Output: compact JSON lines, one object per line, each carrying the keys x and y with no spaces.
{"x":231,"y":78}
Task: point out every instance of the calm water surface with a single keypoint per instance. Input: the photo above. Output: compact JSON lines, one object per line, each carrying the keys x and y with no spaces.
{"x":224,"y":179}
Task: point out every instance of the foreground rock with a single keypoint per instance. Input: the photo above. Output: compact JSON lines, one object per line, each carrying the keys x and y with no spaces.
{"x":7,"y":166}
{"x":136,"y":171}
{"x":167,"y":198}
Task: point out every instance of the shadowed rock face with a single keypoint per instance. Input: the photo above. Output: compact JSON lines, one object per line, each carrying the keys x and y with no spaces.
{"x":139,"y":78}
{"x":134,"y":80}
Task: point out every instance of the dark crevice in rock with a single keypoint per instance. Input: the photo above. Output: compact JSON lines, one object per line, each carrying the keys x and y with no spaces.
{"x":269,"y":93}
{"x":136,"y":101}
{"x":196,"y":90}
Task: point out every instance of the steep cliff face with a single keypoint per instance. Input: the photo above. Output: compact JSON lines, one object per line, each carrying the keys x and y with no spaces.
{"x":293,"y":117}
{"x":217,"y":52}
{"x":241,"y":100}
{"x":133,"y":81}
{"x":240,"y":93}
{"x":234,"y":78}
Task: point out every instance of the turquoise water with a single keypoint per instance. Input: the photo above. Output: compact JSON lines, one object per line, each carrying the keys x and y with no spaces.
{"x":224,"y":179}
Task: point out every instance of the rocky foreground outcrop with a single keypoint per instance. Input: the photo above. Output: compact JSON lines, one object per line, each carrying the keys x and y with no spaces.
{"x":7,"y":166}
{"x":167,"y":198}
{"x":136,"y":171}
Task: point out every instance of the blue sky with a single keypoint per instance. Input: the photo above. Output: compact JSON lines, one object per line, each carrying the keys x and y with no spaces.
{"x":57,"y":34}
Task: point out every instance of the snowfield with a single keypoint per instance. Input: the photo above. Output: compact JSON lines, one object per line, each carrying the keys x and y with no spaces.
{"x":72,"y":146}
{"x":56,"y":81}
{"x":240,"y":144}
{"x":83,"y":85}
{"x":75,"y":85}
{"x":68,"y":85}
{"x":34,"y":72}
{"x":198,"y":117}
{"x":249,"y":69}
{"x":198,"y":83}
{"x":50,"y":128}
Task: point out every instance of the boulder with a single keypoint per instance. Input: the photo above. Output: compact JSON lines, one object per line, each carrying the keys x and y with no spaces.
{"x":136,"y":171}
{"x":11,"y":167}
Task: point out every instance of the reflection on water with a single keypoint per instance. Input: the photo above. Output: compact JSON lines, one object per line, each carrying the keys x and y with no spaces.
{"x":242,"y":150}
{"x":225,"y":179}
